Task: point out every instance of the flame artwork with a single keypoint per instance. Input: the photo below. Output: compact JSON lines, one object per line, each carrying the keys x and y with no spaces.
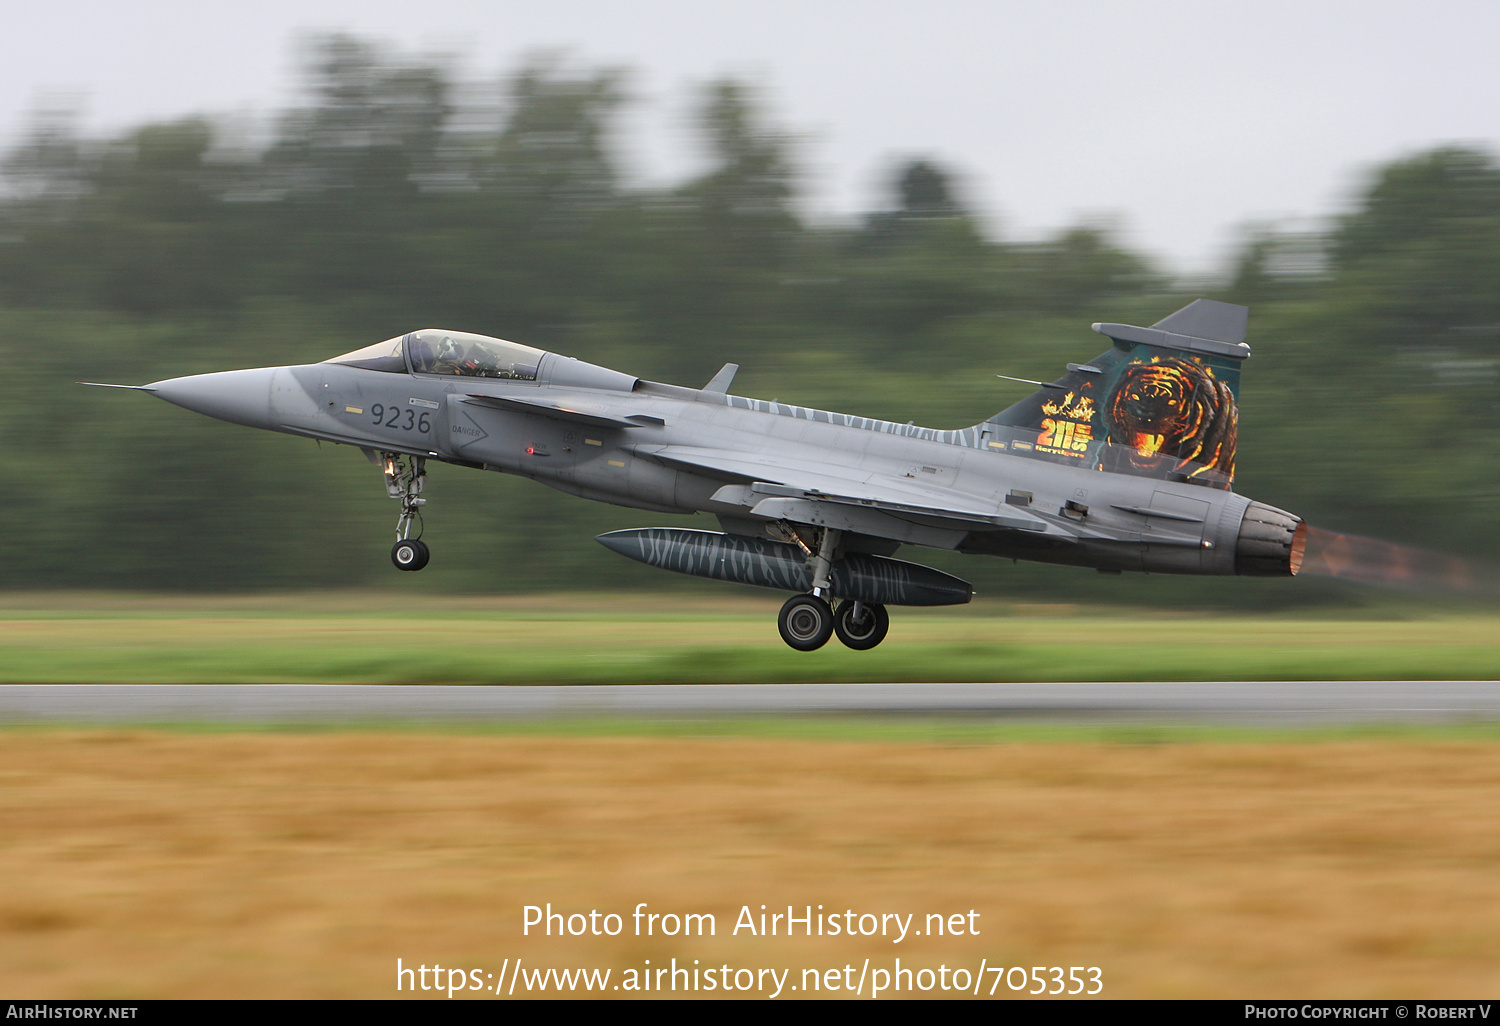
{"x":1074,"y":406}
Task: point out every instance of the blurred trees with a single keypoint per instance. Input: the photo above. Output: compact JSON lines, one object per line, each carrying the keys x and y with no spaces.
{"x":397,"y":196}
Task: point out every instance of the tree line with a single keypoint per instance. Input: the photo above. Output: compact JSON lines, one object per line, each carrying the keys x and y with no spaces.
{"x":396,"y":196}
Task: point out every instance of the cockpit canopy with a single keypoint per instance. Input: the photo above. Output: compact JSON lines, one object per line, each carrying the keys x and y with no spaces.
{"x":436,"y":351}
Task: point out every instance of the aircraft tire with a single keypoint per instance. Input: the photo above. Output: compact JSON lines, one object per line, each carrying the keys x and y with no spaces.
{"x":410,"y":554}
{"x":868,"y":632}
{"x":805,"y":623}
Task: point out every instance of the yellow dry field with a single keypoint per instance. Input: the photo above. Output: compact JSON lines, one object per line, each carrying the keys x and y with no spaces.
{"x":177,"y":864}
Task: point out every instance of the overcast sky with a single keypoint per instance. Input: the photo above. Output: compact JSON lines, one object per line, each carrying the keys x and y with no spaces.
{"x":1182,"y":120}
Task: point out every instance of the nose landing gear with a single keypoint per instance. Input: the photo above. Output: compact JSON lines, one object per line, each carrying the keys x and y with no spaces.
{"x":405,"y":478}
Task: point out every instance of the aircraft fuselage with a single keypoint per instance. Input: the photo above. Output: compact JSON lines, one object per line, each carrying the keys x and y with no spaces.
{"x":620,"y":447}
{"x":1124,"y":463}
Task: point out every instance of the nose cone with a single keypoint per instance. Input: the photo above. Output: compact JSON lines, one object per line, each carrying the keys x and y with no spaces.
{"x":240,"y":397}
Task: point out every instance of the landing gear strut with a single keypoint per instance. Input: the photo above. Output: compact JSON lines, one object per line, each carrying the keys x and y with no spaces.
{"x":405,"y":477}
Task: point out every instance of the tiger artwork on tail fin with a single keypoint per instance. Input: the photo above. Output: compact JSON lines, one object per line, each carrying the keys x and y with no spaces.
{"x":1176,"y":408}
{"x":1163,"y":402}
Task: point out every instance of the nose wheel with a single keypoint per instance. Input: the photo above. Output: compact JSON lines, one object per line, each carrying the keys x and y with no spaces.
{"x":410,"y":554}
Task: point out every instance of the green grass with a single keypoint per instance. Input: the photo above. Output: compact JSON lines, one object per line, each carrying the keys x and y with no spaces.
{"x":612,"y":639}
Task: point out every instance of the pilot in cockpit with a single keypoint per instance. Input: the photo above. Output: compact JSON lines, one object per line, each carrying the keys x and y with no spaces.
{"x":450,"y":359}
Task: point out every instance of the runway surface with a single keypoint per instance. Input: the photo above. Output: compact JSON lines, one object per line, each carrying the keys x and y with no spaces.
{"x":1267,"y":703}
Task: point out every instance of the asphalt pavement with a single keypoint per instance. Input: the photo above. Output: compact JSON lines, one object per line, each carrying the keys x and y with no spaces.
{"x":1265,"y":703}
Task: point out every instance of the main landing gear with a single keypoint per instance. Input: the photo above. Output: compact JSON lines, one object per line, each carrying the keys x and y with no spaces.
{"x":405,"y":476}
{"x":807,"y":621}
{"x":861,"y":625}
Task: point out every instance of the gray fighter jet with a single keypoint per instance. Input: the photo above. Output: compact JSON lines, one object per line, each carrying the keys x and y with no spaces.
{"x":1125,"y":462}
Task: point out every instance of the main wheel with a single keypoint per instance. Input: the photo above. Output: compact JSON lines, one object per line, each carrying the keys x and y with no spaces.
{"x":410,"y":554}
{"x":865,"y":631}
{"x":805,"y":622}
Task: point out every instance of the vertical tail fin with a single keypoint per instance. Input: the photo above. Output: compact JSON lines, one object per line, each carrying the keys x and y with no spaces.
{"x":1205,"y":320}
{"x":1163,"y":402}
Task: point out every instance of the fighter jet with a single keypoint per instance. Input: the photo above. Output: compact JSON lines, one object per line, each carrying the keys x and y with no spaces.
{"x":1125,"y":462}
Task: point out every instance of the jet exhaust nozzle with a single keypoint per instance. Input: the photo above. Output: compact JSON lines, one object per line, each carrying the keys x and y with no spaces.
{"x":770,"y":564}
{"x":1271,"y":543}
